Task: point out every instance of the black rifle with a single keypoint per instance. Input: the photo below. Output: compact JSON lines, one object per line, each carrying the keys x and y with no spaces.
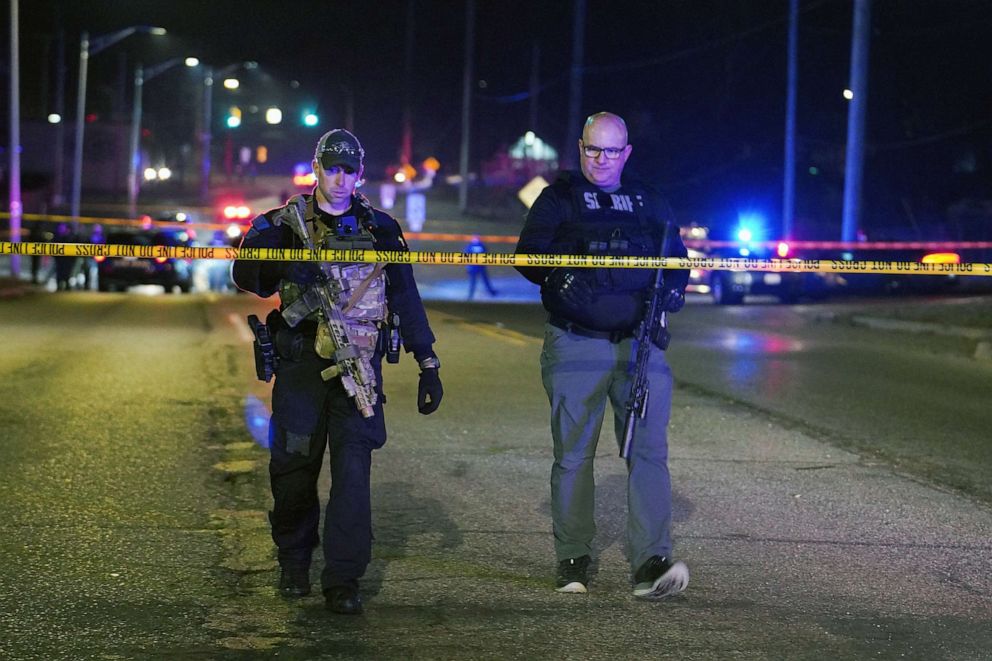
{"x":653,"y":325}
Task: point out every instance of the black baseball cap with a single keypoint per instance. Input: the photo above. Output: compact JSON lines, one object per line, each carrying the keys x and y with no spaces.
{"x":339,"y":147}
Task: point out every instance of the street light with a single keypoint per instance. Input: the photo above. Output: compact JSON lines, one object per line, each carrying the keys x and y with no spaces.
{"x":140,"y":77}
{"x":89,"y":47}
{"x":205,"y":137}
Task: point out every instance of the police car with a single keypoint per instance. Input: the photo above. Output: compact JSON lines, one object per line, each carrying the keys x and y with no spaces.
{"x":732,"y":287}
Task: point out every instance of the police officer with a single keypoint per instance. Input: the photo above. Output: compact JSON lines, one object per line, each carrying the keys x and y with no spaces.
{"x":312,"y":409}
{"x":588,"y":347}
{"x":475,"y":271}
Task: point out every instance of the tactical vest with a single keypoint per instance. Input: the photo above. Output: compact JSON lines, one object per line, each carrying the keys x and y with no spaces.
{"x":360,"y":289}
{"x":625,"y":222}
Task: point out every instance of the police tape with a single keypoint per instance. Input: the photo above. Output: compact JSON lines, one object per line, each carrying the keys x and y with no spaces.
{"x":136,"y":223}
{"x":710,"y":244}
{"x":146,"y":223}
{"x":494,"y":259}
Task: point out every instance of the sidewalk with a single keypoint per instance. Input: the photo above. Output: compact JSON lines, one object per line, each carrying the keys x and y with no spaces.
{"x":11,"y":287}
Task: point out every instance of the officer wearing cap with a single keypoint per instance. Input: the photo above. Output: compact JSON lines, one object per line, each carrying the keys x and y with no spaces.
{"x":589,"y":346}
{"x":312,"y":412}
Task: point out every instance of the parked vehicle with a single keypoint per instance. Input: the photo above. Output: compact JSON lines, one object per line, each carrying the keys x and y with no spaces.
{"x":732,"y":287}
{"x":118,"y":273}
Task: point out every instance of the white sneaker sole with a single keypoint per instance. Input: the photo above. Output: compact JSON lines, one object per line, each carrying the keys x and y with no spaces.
{"x":572,"y":588}
{"x":672,"y":582}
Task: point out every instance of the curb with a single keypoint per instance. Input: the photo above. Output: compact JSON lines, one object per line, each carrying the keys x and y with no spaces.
{"x":882,"y":323}
{"x":983,"y":337}
{"x":983,"y":349}
{"x":12,"y":289}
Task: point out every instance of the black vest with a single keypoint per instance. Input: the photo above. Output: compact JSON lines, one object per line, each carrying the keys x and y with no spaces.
{"x":628,"y":221}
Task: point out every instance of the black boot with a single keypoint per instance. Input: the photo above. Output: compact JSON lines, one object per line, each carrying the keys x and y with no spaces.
{"x":343,"y":599}
{"x":294,"y":582}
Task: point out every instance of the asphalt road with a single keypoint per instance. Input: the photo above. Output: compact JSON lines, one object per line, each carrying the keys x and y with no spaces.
{"x":916,"y":400}
{"x":133,"y":499}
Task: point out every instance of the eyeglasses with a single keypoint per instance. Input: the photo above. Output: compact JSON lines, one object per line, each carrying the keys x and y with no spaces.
{"x":592,"y":151}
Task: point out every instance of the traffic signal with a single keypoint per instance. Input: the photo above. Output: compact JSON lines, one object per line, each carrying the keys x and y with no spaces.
{"x":233,"y":117}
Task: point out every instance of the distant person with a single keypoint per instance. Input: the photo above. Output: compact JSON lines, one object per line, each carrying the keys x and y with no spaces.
{"x":218,"y":270}
{"x":89,"y":265}
{"x":39,"y":234}
{"x":311,"y":410}
{"x":477,"y":271}
{"x":65,"y":267}
{"x":588,"y":348}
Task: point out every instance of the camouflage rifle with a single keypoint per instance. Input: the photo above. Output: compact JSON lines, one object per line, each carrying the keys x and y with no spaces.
{"x":357,"y":375}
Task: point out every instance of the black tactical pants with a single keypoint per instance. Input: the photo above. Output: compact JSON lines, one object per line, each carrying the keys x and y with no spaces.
{"x":294,"y":467}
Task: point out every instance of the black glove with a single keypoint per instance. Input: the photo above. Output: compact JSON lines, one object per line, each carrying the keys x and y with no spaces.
{"x":571,"y":287}
{"x":673,"y":300}
{"x":302,"y":273}
{"x":429,"y":391}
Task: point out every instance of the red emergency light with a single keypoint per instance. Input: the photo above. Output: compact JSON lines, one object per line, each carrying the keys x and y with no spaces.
{"x":239,"y":211}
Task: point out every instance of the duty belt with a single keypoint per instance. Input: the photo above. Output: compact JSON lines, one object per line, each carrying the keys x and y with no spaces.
{"x":575,"y":329}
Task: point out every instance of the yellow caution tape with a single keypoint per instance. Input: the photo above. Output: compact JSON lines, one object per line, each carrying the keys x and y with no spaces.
{"x":144,"y":223}
{"x":140,"y":223}
{"x":493,"y":259}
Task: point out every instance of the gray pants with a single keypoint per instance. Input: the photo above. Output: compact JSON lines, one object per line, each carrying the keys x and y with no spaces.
{"x":579,"y":375}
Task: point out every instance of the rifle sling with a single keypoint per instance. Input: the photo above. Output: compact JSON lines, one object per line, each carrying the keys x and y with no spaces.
{"x":363,"y":287}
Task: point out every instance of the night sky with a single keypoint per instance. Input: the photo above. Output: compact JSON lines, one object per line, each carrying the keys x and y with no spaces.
{"x":701,"y":84}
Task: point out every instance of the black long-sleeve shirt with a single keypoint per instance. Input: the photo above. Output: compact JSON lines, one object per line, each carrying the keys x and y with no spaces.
{"x":548,"y":229}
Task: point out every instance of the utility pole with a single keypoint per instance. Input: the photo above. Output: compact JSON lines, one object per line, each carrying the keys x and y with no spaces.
{"x":789,"y":179}
{"x":467,"y":77}
{"x":141,"y":76}
{"x":854,"y":162}
{"x":88,"y":47}
{"x":134,"y":146}
{"x":77,"y":151}
{"x":205,"y":137}
{"x":58,"y":161}
{"x":575,"y":83}
{"x":16,"y":209}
